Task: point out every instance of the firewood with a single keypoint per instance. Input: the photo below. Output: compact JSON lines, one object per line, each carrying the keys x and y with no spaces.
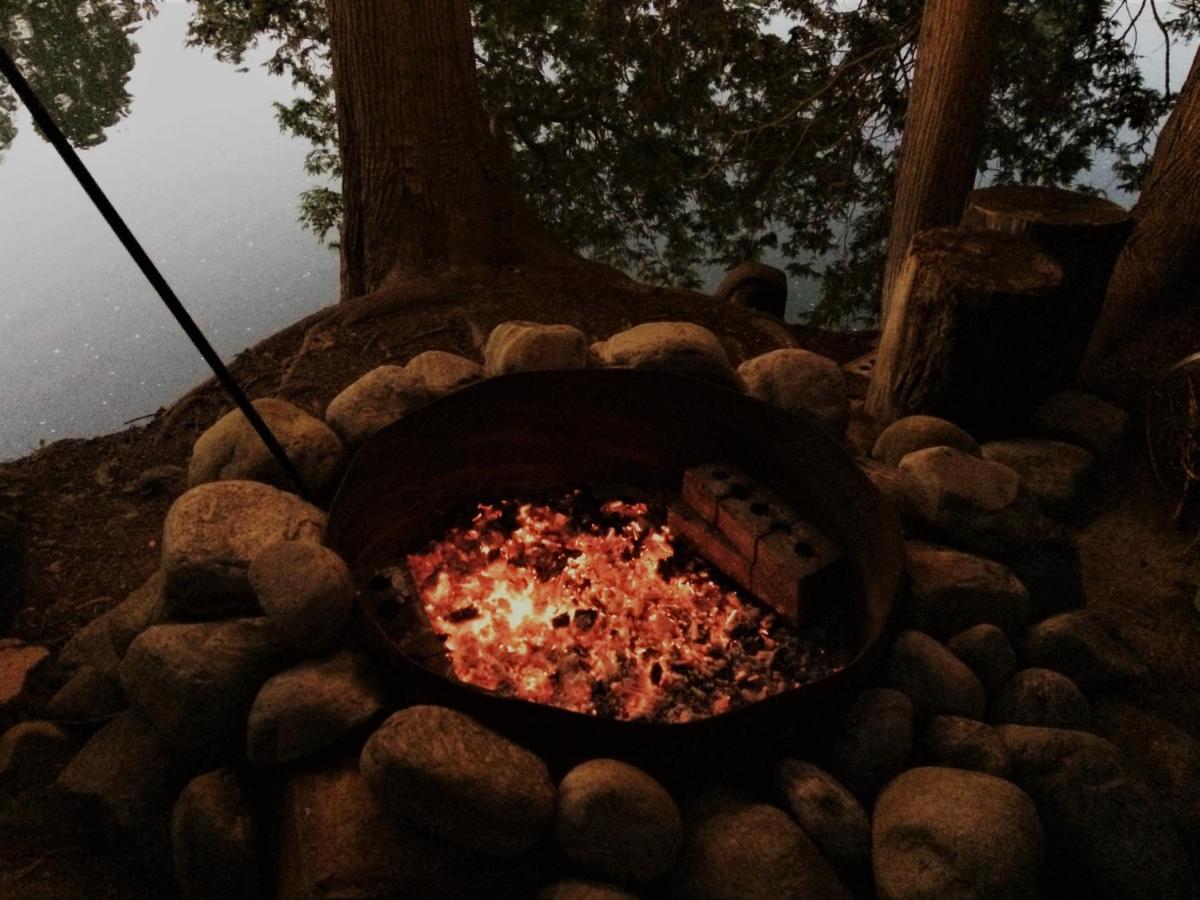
{"x":705,"y":486}
{"x":745,"y":517}
{"x":791,"y":570}
{"x":683,"y":520}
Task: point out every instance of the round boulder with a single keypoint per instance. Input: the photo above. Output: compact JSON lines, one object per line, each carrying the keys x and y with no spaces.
{"x":874,"y":741}
{"x":966,"y":744}
{"x":988,"y":653}
{"x":952,"y":833}
{"x":935,"y":679}
{"x":1042,"y":697}
{"x":800,"y":382}
{"x":617,"y":822}
{"x":1056,"y":473}
{"x":757,"y":286}
{"x":950,"y":591}
{"x":441,"y":372}
{"x":374,"y":401}
{"x":533,"y":347}
{"x":32,"y":754}
{"x":576,"y":889}
{"x":913,"y":433}
{"x":232,"y":450}
{"x":441,"y":771}
{"x":828,"y":813}
{"x":681,"y":347}
{"x":213,"y":840}
{"x":306,"y":591}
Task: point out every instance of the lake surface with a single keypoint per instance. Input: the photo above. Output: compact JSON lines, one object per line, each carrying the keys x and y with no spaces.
{"x":205,"y":179}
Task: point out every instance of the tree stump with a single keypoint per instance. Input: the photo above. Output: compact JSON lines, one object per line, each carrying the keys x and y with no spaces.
{"x":970,"y":331}
{"x":1083,"y":233}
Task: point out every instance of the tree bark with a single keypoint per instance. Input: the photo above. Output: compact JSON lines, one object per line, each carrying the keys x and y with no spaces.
{"x":425,"y":187}
{"x":1084,"y":234}
{"x":965,"y":339}
{"x":1161,"y":260}
{"x":943,"y":127}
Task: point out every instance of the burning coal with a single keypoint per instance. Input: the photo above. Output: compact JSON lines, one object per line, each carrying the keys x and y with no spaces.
{"x":591,"y":607}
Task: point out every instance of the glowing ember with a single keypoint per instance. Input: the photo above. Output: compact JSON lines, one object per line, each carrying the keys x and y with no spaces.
{"x":590,"y":608}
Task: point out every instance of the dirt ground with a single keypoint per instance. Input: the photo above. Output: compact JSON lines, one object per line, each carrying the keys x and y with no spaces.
{"x":93,"y":530}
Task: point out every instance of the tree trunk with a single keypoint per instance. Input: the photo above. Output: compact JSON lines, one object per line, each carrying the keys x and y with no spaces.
{"x":966,"y":339}
{"x":1084,"y":234}
{"x":425,"y":187}
{"x":943,"y":128}
{"x":1161,"y":260}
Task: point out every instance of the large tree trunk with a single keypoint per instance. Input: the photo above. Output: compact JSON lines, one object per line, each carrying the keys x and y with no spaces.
{"x":425,"y":187}
{"x":943,"y":128}
{"x":1161,"y":260}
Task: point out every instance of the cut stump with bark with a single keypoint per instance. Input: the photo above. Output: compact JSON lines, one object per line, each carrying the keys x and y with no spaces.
{"x":975,"y":318}
{"x":1083,"y":233}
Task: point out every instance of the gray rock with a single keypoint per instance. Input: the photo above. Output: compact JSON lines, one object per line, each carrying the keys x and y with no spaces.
{"x":1042,"y":697}
{"x":441,"y":372}
{"x":18,"y":663}
{"x":942,"y":832}
{"x":1057,"y":474}
{"x":668,"y":346}
{"x":32,"y":754}
{"x":212,"y":533}
{"x":828,"y":813}
{"x":575,"y":889}
{"x":195,"y":683}
{"x":1107,"y":832}
{"x":443,"y":772}
{"x":755,"y":285}
{"x":88,"y":696}
{"x":531,"y":347}
{"x":738,"y":850}
{"x":306,"y":591}
{"x":960,"y":743}
{"x":310,"y":706}
{"x":988,"y":653}
{"x":616,"y":822}
{"x":874,"y":741}
{"x":213,"y":839}
{"x":1080,"y":418}
{"x":950,"y":591}
{"x":913,"y":433}
{"x":232,"y":450}
{"x":126,"y":775}
{"x":935,"y":679}
{"x":800,"y":382}
{"x":1085,"y":648}
{"x":376,"y":400}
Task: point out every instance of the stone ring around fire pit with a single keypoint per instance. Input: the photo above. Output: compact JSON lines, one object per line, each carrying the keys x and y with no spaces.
{"x":530,"y":434}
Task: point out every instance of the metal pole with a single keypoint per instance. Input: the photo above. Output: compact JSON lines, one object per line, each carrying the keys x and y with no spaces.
{"x":131,"y":244}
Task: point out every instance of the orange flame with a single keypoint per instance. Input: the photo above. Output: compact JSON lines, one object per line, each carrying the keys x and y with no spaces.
{"x":600,"y":615}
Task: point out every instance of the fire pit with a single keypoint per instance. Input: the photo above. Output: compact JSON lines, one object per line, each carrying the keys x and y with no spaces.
{"x":544,"y":496}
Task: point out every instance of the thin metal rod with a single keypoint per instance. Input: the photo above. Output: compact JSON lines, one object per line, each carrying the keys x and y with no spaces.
{"x":131,"y":244}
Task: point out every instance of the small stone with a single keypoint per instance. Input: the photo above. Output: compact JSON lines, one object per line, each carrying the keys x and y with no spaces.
{"x":88,"y":696}
{"x":382,"y":396}
{"x":195,"y":683}
{"x":874,"y":741}
{"x":913,"y":433}
{"x":828,"y":813}
{"x":308,"y":707}
{"x":1080,"y":418}
{"x":800,"y":382}
{"x":32,"y":754}
{"x":950,"y":591}
{"x":756,"y":286}
{"x":738,"y":850}
{"x":306,"y":592}
{"x":584,"y":890}
{"x":617,"y":822}
{"x":212,"y":533}
{"x":680,"y":347}
{"x":942,"y":832}
{"x":1042,"y":697}
{"x":443,"y":772}
{"x":18,"y":663}
{"x":1037,"y":750}
{"x":231,"y":450}
{"x":126,"y":774}
{"x":1056,"y":474}
{"x":935,"y":679}
{"x":213,"y":838}
{"x":441,"y":372}
{"x":532,"y":347}
{"x":988,"y":653}
{"x":1085,"y":648}
{"x":959,"y":743}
